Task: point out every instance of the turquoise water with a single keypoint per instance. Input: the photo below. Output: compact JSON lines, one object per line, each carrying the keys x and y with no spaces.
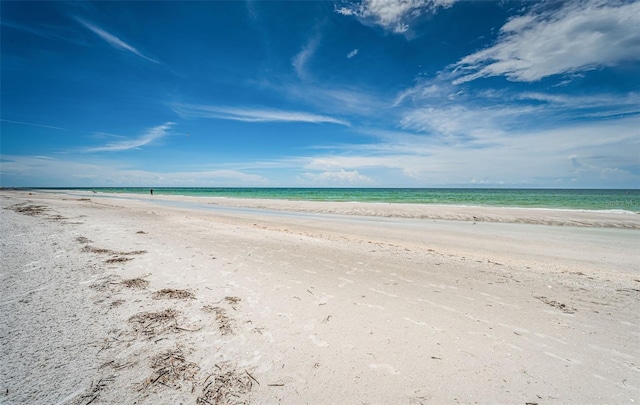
{"x":628,"y":200}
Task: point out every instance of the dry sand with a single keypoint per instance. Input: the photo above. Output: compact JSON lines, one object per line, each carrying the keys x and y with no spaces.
{"x":136,"y":299}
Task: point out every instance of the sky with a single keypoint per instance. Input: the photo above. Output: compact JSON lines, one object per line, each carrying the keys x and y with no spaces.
{"x":372,"y":93}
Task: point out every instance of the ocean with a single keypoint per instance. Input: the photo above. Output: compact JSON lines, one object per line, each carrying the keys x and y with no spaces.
{"x":577,"y":199}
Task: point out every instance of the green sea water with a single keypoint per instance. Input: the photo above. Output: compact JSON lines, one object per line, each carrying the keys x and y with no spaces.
{"x":577,"y":199}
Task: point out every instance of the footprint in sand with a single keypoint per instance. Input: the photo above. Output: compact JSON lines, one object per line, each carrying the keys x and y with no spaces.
{"x":369,"y":305}
{"x":318,"y":342}
{"x":386,"y":367}
{"x":383,"y":293}
{"x":423,"y":324}
{"x":344,"y":282}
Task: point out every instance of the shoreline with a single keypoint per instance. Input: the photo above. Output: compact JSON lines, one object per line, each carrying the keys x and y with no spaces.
{"x":468,"y":213}
{"x":272,"y":306}
{"x":259,"y":195}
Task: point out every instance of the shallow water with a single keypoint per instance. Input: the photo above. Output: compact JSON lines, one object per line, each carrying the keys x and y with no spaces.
{"x":628,"y":200}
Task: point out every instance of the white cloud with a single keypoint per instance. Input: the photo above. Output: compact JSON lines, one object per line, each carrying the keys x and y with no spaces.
{"x":592,"y":154}
{"x":300,"y":61}
{"x":469,"y":126}
{"x":113,"y":40}
{"x":251,"y":114}
{"x":148,"y":137}
{"x":587,"y":106}
{"x":42,"y":171}
{"x":392,"y":15}
{"x":606,"y":152}
{"x":352,"y":53}
{"x":581,"y":35}
{"x":340,"y":100}
{"x":341,"y":177}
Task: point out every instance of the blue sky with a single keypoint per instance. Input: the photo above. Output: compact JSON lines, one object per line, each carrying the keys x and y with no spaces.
{"x":411,"y":93}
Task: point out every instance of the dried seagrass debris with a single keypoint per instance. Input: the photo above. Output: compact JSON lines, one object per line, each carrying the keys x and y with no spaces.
{"x":562,"y":307}
{"x":93,"y":249}
{"x":28,"y":209}
{"x":138,"y":283}
{"x":171,"y":293}
{"x":171,"y":369}
{"x":151,"y":324}
{"x":226,"y":386}
{"x":117,"y":259}
{"x":97,"y":388}
{"x":224,"y":322}
{"x":232,"y":300}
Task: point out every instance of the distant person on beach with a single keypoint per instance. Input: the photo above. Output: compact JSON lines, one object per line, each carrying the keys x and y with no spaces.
{"x":151,"y":191}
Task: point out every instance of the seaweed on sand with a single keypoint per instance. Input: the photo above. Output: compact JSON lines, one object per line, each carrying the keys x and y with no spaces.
{"x":138,"y":283}
{"x":170,"y":369}
{"x":151,"y":324}
{"x":172,"y":293}
{"x":226,"y":386}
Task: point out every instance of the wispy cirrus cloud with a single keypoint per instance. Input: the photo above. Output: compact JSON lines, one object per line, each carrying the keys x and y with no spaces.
{"x":42,"y":31}
{"x":392,"y":15}
{"x":300,"y":61}
{"x":252,"y":114}
{"x":126,"y":144}
{"x":579,"y":36}
{"x":113,"y":40}
{"x":352,"y":53}
{"x":33,"y":125}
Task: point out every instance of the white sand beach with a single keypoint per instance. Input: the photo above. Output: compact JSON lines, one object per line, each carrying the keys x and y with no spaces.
{"x":112,"y":299}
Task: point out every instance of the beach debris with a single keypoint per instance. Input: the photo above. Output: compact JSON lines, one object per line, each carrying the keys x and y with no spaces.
{"x":171,"y":369}
{"x":117,"y":259}
{"x":116,"y":303}
{"x":100,"y":251}
{"x":82,"y":239}
{"x":35,"y":210}
{"x":252,"y":377}
{"x":152,"y":324}
{"x":135,"y":252}
{"x":91,"y":249}
{"x":141,"y":232}
{"x":115,"y":365}
{"x":106,"y":283}
{"x":171,"y":293}
{"x":627,"y":290}
{"x":138,"y":283}
{"x":226,"y":386}
{"x":28,"y":209}
{"x":224,"y":322}
{"x":232,"y":300}
{"x":562,"y":307}
{"x":188,"y":329}
{"x":97,"y":388}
